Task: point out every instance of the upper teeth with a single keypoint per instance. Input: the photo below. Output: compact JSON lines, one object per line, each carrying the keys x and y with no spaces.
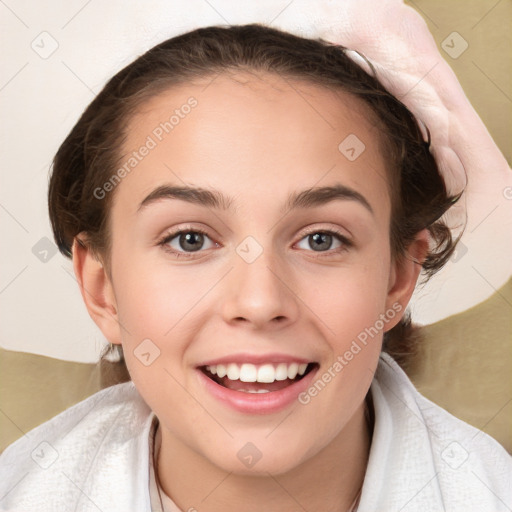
{"x":251,"y":373}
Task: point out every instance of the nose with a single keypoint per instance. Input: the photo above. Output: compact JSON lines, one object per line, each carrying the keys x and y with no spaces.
{"x":260,"y":294}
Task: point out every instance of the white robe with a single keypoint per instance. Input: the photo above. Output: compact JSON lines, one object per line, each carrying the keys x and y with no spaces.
{"x":96,"y":456}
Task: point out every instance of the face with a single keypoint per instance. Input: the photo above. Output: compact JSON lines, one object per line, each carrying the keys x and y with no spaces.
{"x":261,"y":282}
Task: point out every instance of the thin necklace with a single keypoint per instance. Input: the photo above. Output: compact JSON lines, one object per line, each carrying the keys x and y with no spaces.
{"x":368,"y":416}
{"x":353,"y":507}
{"x":155,"y":466}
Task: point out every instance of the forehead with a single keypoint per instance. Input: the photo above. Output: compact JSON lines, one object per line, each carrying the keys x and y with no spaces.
{"x":247,"y":133}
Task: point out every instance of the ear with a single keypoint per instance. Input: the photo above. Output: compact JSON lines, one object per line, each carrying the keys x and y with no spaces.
{"x":96,"y":289}
{"x":404,"y":275}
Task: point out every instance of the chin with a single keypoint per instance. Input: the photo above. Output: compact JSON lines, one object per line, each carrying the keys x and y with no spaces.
{"x":250,"y":461}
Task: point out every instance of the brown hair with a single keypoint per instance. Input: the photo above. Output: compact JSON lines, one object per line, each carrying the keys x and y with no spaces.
{"x":90,"y":154}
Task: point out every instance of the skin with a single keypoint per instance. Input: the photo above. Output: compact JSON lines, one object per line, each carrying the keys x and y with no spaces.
{"x":215,"y":303}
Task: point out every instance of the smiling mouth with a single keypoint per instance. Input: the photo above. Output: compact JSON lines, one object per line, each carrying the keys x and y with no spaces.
{"x":248,"y":378}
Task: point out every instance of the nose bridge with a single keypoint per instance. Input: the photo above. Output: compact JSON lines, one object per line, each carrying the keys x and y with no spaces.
{"x":258,"y":291}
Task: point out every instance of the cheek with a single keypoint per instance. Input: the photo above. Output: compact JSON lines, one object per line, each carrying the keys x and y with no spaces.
{"x":153,"y":305}
{"x":351,"y":299}
{"x":152,"y":308}
{"x":351,"y":305}
{"x":154,"y":298}
{"x":351,"y":302}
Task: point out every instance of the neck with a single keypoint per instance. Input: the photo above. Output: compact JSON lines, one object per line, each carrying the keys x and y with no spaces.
{"x":330,"y":480}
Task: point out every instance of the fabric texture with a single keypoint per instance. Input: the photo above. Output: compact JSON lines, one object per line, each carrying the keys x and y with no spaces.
{"x":96,"y":455}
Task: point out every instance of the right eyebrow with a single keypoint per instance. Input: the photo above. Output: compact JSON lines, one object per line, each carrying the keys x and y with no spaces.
{"x":197,"y":195}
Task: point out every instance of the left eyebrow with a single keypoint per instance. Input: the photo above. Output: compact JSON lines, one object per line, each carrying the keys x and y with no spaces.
{"x":212,"y":198}
{"x":312,"y":197}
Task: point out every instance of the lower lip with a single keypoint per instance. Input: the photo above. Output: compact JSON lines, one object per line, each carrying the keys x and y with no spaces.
{"x":257,"y":403}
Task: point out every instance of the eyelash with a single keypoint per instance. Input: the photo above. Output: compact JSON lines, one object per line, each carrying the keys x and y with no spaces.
{"x":347,"y":244}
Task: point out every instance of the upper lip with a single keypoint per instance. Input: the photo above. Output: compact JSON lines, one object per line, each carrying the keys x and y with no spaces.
{"x":241,"y":358}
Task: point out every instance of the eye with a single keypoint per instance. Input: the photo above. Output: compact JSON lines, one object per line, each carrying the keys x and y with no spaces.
{"x":322,"y":241}
{"x":185,"y":242}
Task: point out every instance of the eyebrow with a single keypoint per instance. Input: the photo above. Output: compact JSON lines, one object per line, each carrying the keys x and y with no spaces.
{"x":308,"y":198}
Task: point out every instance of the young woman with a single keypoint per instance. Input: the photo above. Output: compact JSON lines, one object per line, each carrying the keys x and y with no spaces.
{"x":248,"y":213}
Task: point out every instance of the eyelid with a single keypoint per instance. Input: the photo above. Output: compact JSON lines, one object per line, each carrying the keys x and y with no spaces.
{"x":171,"y":233}
{"x":323,"y":229}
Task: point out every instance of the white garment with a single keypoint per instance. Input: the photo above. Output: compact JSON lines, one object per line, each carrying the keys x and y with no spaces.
{"x":96,"y":456}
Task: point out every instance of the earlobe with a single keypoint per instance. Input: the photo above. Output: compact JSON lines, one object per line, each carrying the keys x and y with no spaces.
{"x":96,"y":289}
{"x":404,"y":275}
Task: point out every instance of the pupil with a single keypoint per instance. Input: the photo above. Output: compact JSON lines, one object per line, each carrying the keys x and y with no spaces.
{"x":320,"y":239}
{"x":189,"y":239}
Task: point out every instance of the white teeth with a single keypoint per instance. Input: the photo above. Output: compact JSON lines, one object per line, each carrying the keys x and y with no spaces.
{"x":292,"y":370}
{"x":248,"y":373}
{"x":282,"y":371}
{"x":265,"y":373}
{"x":233,"y":371}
